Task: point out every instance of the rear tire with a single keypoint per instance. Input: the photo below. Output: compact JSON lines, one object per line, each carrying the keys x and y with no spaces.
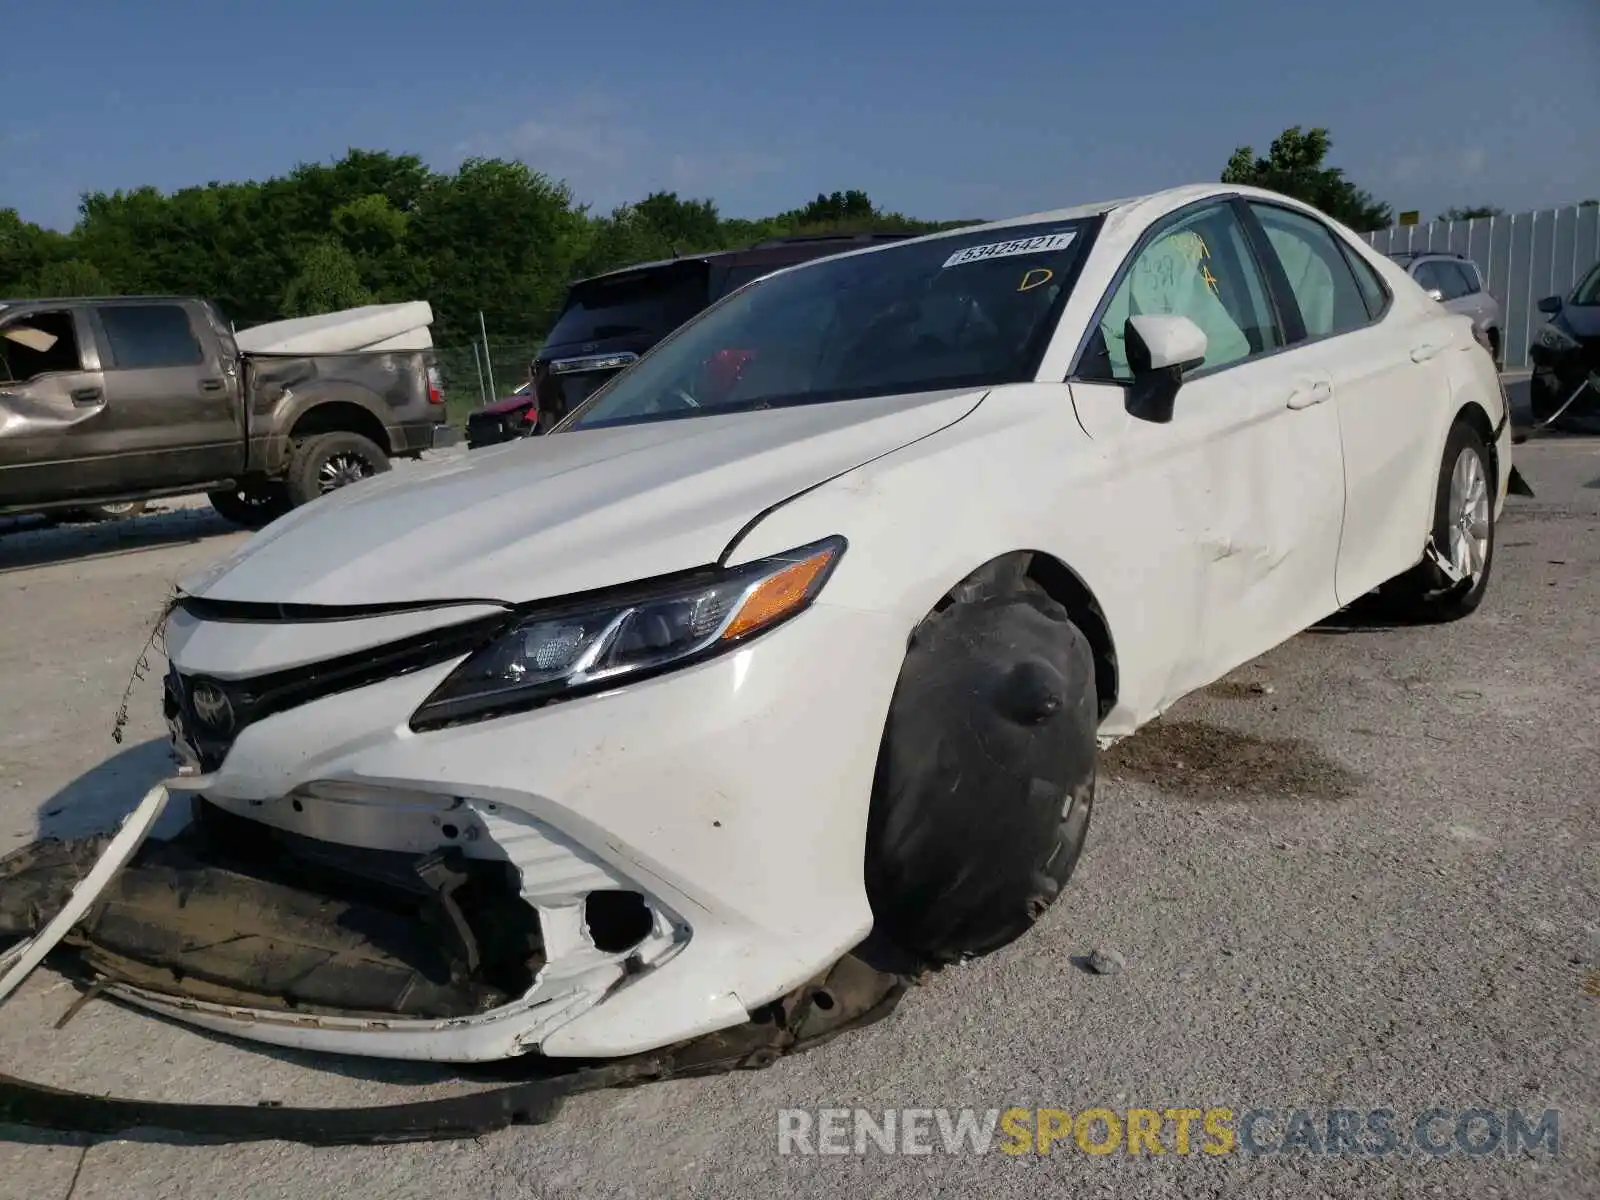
{"x":1463,"y":532}
{"x":986,"y":776}
{"x":326,"y":462}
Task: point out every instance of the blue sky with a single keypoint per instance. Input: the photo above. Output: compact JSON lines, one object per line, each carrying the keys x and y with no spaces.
{"x":939,"y":109}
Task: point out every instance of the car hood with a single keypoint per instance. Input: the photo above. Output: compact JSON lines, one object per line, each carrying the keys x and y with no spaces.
{"x":1582,"y":322}
{"x":565,"y":513}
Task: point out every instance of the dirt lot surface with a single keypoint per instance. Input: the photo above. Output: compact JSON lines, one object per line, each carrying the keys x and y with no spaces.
{"x":1361,"y":873}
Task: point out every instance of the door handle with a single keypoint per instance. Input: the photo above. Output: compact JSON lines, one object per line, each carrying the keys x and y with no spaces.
{"x":1308,"y":394}
{"x":86,"y":395}
{"x":1424,"y":352}
{"x":212,"y":385}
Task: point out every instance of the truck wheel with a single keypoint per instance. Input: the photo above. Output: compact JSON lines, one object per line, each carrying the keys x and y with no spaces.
{"x":253,"y":506}
{"x":985,"y":777}
{"x":328,"y":461}
{"x":106,"y":512}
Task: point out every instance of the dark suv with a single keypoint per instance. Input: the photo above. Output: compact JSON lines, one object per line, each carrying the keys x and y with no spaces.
{"x":1565,"y":356}
{"x":609,"y":320}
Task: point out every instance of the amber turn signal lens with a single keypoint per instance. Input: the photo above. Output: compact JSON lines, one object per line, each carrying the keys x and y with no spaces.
{"x":780,"y":594}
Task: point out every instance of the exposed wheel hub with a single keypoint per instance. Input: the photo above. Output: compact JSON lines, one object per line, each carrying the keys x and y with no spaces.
{"x":1468,"y":515}
{"x":341,"y":469}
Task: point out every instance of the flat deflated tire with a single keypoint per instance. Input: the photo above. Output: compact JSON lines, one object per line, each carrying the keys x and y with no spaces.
{"x":985,"y":778}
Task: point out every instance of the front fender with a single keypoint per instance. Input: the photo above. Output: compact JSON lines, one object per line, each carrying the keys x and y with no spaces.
{"x":1016,"y":474}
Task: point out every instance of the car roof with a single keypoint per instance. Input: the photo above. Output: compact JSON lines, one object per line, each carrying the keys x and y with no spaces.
{"x":1402,"y":256}
{"x":32,"y":300}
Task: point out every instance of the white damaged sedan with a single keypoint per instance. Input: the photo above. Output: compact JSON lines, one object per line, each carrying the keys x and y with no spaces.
{"x":807,"y":627}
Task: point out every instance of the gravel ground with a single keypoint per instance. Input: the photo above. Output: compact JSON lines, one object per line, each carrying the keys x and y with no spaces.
{"x":1363,"y":872}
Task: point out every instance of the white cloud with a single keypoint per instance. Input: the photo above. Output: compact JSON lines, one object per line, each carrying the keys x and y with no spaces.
{"x":1472,"y":162}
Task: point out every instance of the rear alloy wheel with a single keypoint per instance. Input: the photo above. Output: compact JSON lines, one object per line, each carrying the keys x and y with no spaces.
{"x":1449,"y":582}
{"x":326,"y":462}
{"x":985,"y":776}
{"x":107,"y":512}
{"x":253,"y":505}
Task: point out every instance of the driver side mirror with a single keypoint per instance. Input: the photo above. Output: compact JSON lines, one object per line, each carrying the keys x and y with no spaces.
{"x":1550,"y":304}
{"x":1161,"y":348}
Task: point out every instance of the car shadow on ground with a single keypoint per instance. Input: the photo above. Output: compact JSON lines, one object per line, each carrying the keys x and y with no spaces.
{"x":103,"y":795}
{"x":27,"y":542}
{"x":1365,"y":615}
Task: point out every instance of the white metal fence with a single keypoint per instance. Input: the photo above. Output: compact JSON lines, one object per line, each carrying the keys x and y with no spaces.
{"x":1523,"y":257}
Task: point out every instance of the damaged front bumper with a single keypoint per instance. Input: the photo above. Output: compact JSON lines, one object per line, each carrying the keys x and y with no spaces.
{"x":644,"y":876}
{"x":105,"y":910}
{"x":122,"y":869}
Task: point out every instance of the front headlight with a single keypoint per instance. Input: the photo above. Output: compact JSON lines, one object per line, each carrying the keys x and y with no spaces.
{"x":1552,"y":338}
{"x":554,"y":652}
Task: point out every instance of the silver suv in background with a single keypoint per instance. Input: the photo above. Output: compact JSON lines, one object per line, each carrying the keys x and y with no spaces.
{"x":1454,"y":281}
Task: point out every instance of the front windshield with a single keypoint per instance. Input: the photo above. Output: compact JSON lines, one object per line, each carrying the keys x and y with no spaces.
{"x":1587,"y":293}
{"x":971,"y":310}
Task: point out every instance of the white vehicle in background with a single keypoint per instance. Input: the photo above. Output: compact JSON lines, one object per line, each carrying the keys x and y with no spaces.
{"x":670,"y":710}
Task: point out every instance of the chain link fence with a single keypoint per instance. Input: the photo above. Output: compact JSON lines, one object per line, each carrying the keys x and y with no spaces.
{"x":472,"y":378}
{"x":1523,"y":257}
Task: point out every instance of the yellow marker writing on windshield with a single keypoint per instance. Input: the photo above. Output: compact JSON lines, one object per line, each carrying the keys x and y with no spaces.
{"x":1037,"y":277}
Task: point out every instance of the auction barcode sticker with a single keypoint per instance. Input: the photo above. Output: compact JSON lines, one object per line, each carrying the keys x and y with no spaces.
{"x":1044,"y":243}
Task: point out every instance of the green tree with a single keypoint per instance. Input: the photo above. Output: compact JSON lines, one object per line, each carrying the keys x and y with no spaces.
{"x":686,"y":225}
{"x":70,"y":277}
{"x":498,"y":237}
{"x":25,"y":251}
{"x":328,"y":279}
{"x":494,"y":236}
{"x":623,"y":237}
{"x":838,"y":207}
{"x":1296,"y":165}
{"x":1471,"y":213}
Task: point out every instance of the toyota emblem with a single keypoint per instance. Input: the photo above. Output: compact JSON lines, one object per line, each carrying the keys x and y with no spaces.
{"x":212,"y":708}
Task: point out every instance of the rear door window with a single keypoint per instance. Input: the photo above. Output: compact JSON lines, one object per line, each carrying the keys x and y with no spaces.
{"x":1319,"y":275}
{"x":649,"y":303}
{"x":149,"y":335}
{"x":1373,"y":292}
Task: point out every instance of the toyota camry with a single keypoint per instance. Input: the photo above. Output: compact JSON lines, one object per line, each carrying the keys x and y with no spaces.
{"x":780,"y":669}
